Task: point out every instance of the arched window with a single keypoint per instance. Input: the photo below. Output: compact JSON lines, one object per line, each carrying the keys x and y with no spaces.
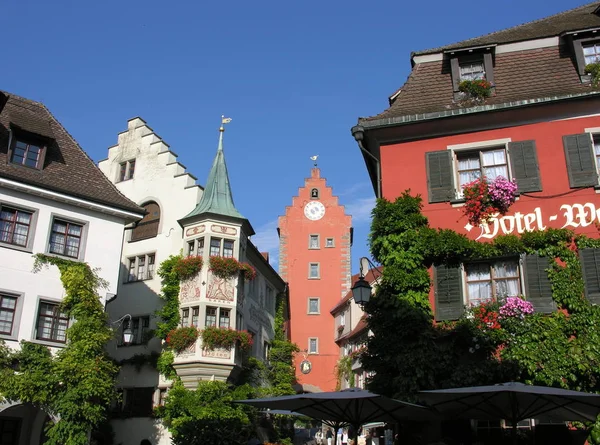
{"x":314,"y":194}
{"x":148,"y":226}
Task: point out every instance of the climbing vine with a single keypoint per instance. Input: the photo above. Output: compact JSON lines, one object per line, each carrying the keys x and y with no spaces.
{"x":343,"y":372}
{"x":557,"y":349}
{"x":77,"y":384}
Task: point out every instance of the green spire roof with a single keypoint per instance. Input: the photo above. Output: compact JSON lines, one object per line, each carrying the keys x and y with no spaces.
{"x":217,"y":198}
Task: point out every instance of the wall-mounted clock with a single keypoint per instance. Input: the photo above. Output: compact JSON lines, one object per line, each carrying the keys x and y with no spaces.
{"x":314,"y":210}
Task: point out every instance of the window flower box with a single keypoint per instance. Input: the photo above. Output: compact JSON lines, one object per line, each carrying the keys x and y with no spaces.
{"x":477,"y":89}
{"x":229,"y":267}
{"x":483,"y":198}
{"x":226,"y":338}
{"x":188,"y":267}
{"x":180,"y":339}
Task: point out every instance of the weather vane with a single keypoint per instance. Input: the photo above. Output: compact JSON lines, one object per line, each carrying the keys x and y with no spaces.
{"x":314,"y":159}
{"x":224,"y":120}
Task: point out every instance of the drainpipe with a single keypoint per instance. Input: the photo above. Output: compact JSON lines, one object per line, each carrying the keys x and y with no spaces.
{"x":358,"y":132}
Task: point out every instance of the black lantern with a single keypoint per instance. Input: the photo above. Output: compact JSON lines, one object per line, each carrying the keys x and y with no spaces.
{"x":361,"y":292}
{"x":127,"y":334}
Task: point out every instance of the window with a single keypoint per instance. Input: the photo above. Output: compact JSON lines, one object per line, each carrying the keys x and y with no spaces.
{"x":591,"y":52}
{"x":51,"y":323}
{"x":270,"y":300}
{"x":228,"y":248}
{"x":314,"y":194}
{"x":8,"y":307}
{"x":472,"y":71}
{"x":313,"y":306}
{"x":147,"y":227}
{"x":329,"y":242}
{"x":224,"y":318}
{"x":492,"y":280}
{"x":9,"y":431}
{"x":141,"y":267}
{"x":27,"y":154}
{"x":313,"y":242}
{"x":14,"y":226}
{"x":126,"y":170}
{"x":475,"y":164}
{"x":211,"y":317}
{"x":215,"y":246}
{"x":185,"y":317}
{"x":313,"y":271}
{"x":138,"y":402}
{"x":65,"y":238}
{"x":195,"y":316}
{"x":140,"y":327}
{"x":342,"y":319}
{"x":313,"y":345}
{"x":196,"y":247}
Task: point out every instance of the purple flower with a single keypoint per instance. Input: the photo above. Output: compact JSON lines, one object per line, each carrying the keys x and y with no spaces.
{"x":515,"y":307}
{"x":502,"y":193}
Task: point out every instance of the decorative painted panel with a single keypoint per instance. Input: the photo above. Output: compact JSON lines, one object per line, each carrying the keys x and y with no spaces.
{"x":190,"y":289}
{"x":220,"y":289}
{"x":217,"y":353}
{"x":223,"y":229}
{"x":195,"y":230}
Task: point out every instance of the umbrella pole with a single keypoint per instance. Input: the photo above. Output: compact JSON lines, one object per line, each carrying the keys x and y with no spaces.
{"x":514,"y":433}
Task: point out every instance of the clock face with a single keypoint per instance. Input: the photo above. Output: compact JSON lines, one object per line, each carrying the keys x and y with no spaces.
{"x":314,"y":210}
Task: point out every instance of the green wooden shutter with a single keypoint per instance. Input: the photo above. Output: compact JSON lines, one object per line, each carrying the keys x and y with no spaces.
{"x":449,"y":301}
{"x":538,"y":285}
{"x":581,"y":164}
{"x":440,"y":183}
{"x":590,"y":265}
{"x":525,"y":167}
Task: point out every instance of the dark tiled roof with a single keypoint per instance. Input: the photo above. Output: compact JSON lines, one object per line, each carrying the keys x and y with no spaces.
{"x":67,"y":168}
{"x":518,"y":76}
{"x":575,"y":19}
{"x":370,"y":277}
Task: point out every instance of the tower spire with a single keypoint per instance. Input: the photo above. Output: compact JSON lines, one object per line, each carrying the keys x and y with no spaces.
{"x":217,"y":198}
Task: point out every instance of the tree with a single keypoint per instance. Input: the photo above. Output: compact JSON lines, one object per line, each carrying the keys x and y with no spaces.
{"x":77,"y":385}
{"x":409,"y":352}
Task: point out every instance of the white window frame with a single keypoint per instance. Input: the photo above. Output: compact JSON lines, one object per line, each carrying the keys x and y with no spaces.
{"x":594,"y":133}
{"x":318,"y":312}
{"x":471,"y":62}
{"x":132,"y":278}
{"x":196,"y":249}
{"x":310,"y":239}
{"x":82,"y":239}
{"x":221,"y":246}
{"x":318,"y":277}
{"x":316,"y":351}
{"x":327,"y":245}
{"x":479,"y":146}
{"x":519,"y":261}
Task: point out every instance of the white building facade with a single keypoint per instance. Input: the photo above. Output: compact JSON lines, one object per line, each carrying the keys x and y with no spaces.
{"x":182,"y":218}
{"x":54,"y":201}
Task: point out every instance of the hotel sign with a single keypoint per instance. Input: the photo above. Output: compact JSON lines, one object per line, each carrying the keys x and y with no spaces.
{"x":571,"y":216}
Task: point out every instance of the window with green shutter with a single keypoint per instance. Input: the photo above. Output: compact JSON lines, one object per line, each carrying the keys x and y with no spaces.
{"x":525,"y":167}
{"x":590,"y":265}
{"x":581,"y":162}
{"x":440,"y":176}
{"x":449,"y":301}
{"x":538,"y":286}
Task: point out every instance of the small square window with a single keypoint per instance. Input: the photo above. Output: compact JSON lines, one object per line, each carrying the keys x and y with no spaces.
{"x":329,"y":242}
{"x":215,"y":246}
{"x":224,"y":319}
{"x":141,"y":267}
{"x":486,"y":281}
{"x":314,"y":271}
{"x":313,"y":345}
{"x":27,"y":154}
{"x":185,"y":317}
{"x":65,"y":238}
{"x":8,"y":308}
{"x":313,"y":306}
{"x":52,"y":323}
{"x":126,"y":170}
{"x":313,"y":242}
{"x":591,"y":52}
{"x":228,"y":248}
{"x":472,"y":71}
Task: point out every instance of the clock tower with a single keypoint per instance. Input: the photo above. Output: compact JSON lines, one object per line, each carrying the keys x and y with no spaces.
{"x":315,"y":237}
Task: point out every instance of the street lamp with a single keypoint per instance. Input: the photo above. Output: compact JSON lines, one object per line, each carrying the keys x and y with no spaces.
{"x":361,"y":290}
{"x":127,"y":332}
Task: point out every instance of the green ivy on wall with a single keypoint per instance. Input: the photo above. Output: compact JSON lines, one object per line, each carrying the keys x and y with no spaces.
{"x":76,"y":385}
{"x":409,"y":352}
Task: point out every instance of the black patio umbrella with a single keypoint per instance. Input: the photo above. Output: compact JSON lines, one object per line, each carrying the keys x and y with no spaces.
{"x":353,"y":406}
{"x":514,"y":402}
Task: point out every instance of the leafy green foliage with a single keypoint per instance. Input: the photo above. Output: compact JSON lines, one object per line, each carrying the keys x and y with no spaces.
{"x":164,"y":364}
{"x":343,"y":371}
{"x":169,"y":313}
{"x":138,"y":361}
{"x":216,"y":337}
{"x":207,"y":415}
{"x":77,"y":384}
{"x":409,"y":352}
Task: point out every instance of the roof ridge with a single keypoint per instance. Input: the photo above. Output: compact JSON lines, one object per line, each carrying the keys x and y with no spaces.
{"x":87,"y":156}
{"x":460,"y":43}
{"x":21,"y":98}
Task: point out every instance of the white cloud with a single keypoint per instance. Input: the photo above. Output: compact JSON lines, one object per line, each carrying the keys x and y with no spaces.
{"x":267,"y":240}
{"x":360,"y":209}
{"x":357,"y":187}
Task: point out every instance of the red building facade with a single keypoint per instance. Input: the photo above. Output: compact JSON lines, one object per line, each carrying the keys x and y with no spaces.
{"x":540,"y":129}
{"x":314,"y":258}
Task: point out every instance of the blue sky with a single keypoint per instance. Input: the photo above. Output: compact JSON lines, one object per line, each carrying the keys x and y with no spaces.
{"x":294,"y":76}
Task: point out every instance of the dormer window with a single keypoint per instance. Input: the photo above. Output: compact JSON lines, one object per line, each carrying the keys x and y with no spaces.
{"x":591,"y":52}
{"x":472,"y":71}
{"x":27,"y":153}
